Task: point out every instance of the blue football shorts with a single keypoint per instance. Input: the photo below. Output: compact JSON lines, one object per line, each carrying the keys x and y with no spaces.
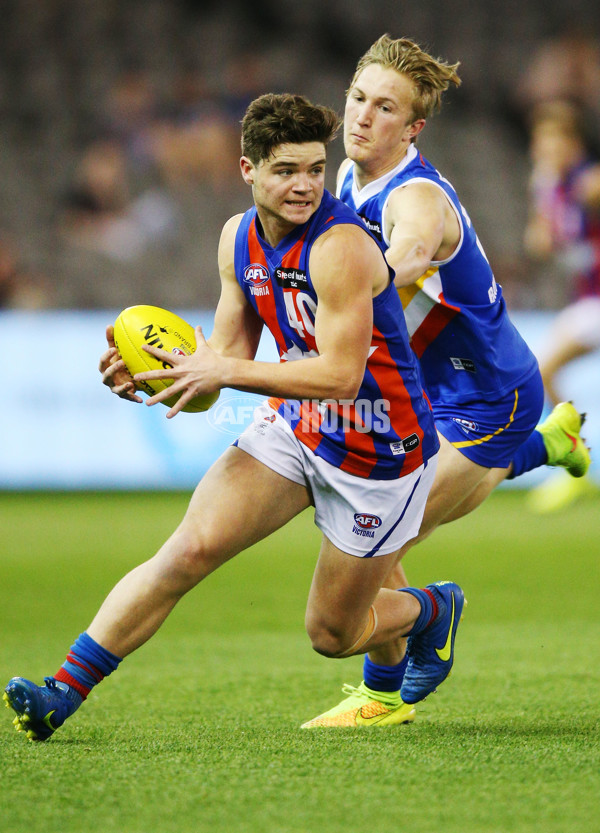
{"x":489,"y":433}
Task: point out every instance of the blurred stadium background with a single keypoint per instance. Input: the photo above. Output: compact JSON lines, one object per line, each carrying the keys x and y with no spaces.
{"x":119,"y":129}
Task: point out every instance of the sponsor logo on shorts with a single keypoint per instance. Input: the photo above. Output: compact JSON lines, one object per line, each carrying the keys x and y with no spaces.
{"x":366,"y":524}
{"x":463,"y":364}
{"x":467,"y":424}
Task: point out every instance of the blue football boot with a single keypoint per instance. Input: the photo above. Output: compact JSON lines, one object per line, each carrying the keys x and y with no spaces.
{"x":40,"y":709}
{"x":431,"y":652}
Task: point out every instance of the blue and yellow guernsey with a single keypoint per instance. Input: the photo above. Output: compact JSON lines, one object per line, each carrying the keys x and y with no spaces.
{"x":456,"y":316}
{"x":388,"y":431}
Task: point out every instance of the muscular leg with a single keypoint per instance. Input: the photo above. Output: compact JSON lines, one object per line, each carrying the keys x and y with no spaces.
{"x":456,"y":480}
{"x":456,"y":477}
{"x":237,"y":503}
{"x":347,"y":614}
{"x":343,"y":589}
{"x":482,"y":491}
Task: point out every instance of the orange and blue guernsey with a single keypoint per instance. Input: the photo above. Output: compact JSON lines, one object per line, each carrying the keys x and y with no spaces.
{"x":388,"y":430}
{"x":459,"y":327}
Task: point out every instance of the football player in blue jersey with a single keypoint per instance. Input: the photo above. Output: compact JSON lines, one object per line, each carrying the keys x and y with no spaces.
{"x":482,"y":380}
{"x":327,"y":295}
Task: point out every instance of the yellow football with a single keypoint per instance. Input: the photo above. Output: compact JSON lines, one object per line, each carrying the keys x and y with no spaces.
{"x":143,"y":324}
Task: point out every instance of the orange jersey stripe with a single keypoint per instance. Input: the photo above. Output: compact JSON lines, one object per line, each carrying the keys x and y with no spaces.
{"x":387,"y":377}
{"x":265,"y":303}
{"x":432,"y":326}
{"x":360,"y":458}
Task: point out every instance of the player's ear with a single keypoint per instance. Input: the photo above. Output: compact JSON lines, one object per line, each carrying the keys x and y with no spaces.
{"x":247,"y":169}
{"x":413,"y":129}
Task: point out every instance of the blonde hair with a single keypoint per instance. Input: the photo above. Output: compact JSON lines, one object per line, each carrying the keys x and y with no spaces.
{"x":431,"y":76}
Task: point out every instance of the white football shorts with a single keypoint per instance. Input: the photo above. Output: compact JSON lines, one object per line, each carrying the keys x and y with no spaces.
{"x":360,"y":516}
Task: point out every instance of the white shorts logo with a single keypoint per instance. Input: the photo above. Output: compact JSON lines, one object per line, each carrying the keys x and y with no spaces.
{"x":366,"y":524}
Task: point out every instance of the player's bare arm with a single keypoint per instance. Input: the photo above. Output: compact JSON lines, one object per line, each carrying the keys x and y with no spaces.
{"x":237,"y":327}
{"x":342,"y":270}
{"x":421,"y":227}
{"x":342,"y":263}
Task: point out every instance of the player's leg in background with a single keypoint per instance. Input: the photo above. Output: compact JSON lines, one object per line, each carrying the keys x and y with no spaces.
{"x":571,"y":338}
{"x":481,"y":492}
{"x":555,"y":442}
{"x":460,"y":486}
{"x":563,"y":352}
{"x":476,"y":445}
{"x":456,"y":476}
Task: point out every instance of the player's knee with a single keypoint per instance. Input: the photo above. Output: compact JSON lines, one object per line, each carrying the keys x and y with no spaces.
{"x":327,"y":638}
{"x":186,"y":559}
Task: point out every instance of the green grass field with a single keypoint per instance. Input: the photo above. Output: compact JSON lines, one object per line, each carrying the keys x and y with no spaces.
{"x":198,"y":731}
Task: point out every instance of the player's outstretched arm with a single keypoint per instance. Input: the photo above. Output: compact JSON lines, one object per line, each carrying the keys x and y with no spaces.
{"x":421,"y":225}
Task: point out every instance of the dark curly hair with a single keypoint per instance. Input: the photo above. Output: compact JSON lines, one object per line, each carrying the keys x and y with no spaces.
{"x":276,"y":119}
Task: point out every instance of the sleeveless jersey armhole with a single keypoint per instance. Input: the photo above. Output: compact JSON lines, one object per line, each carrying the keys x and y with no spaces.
{"x":456,"y":212}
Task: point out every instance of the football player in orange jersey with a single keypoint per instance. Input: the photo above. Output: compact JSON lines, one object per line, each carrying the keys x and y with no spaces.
{"x":342,"y":341}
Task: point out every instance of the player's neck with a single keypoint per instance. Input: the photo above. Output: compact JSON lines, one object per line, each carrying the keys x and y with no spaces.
{"x":366,"y":172}
{"x":273,"y":229}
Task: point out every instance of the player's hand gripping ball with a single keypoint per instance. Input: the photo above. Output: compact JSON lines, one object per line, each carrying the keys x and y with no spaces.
{"x":158,"y":327}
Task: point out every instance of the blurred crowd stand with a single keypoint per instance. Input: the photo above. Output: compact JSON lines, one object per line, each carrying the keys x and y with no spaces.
{"x":119,"y":125}
{"x":21,"y":288}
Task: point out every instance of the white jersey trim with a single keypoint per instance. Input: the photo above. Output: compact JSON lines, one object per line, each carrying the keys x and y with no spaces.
{"x":341,"y":176}
{"x":371,"y":189}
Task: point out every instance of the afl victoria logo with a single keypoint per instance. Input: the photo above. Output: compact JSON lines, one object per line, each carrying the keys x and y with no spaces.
{"x":256,"y":275}
{"x":367,"y":521}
